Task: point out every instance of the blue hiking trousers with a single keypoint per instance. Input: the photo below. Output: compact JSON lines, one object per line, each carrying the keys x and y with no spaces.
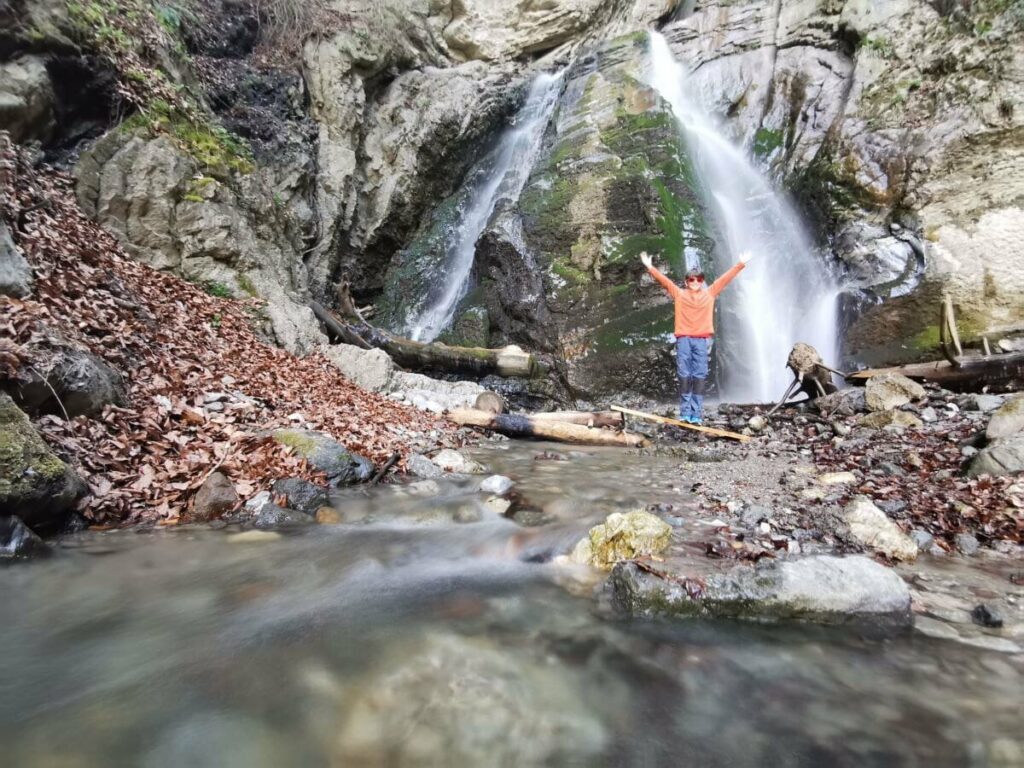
{"x":692,"y":369}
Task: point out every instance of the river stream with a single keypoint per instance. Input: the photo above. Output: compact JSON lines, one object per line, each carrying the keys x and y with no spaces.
{"x":429,"y":630}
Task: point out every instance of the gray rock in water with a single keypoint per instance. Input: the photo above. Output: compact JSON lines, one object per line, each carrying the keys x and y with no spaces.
{"x":499,"y":706}
{"x":891,"y":390}
{"x":986,"y":616}
{"x":302,"y":495}
{"x":1008,"y":420}
{"x":922,"y":539}
{"x":215,"y":739}
{"x":421,"y":466}
{"x":327,"y":455}
{"x":15,"y":272}
{"x":35,"y":484}
{"x":967,"y":543}
{"x":17,"y":542}
{"x":497,"y":485}
{"x":820,"y":588}
{"x":1003,"y":457}
{"x":273,"y":516}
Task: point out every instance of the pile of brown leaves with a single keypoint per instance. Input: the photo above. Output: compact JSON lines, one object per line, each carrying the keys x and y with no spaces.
{"x":174,"y":345}
{"x":930,"y":482}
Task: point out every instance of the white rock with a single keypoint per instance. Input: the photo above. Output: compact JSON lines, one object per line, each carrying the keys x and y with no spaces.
{"x":837,"y":478}
{"x":453,"y":461}
{"x":870,"y":526}
{"x":497,"y":485}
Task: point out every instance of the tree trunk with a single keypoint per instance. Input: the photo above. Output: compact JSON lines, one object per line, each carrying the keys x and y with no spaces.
{"x":418,"y":356}
{"x":518,"y":425}
{"x":586,"y":418}
{"x":1003,"y":372}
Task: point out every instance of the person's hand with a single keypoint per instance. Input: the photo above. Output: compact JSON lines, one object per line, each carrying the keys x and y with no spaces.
{"x":745,"y":257}
{"x":645,"y":259}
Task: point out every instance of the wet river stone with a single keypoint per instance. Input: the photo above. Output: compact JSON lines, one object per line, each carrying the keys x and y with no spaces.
{"x":820,"y":588}
{"x":459,"y":701}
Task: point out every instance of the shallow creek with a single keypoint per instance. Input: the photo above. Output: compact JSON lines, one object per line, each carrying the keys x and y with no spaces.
{"x":427,"y":630}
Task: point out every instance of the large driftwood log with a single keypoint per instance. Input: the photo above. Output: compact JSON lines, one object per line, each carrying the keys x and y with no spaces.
{"x":518,"y":425}
{"x":586,"y":418}
{"x":418,"y":356}
{"x":1003,"y":372}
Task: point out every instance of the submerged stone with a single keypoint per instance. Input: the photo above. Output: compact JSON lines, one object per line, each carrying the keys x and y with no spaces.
{"x":819,"y":588}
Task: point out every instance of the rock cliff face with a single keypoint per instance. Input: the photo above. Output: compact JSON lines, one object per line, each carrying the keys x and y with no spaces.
{"x":299,"y":160}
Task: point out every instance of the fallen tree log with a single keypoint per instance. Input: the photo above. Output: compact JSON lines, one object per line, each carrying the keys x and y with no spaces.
{"x":586,"y":418}
{"x":510,"y":361}
{"x":519,"y":425}
{"x":1004,"y":372}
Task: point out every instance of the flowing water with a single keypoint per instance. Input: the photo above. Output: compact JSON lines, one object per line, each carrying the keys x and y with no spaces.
{"x":429,"y":631}
{"x":785,"y":294}
{"x":499,"y":178}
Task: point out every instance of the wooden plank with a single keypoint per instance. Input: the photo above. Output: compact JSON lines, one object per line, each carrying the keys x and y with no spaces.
{"x":678,"y":423}
{"x":947,"y":301}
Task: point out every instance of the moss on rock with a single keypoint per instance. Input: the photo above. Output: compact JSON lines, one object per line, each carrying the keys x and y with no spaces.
{"x":35,"y":484}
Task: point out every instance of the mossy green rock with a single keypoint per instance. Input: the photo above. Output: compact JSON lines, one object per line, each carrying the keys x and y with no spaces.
{"x":35,"y":485}
{"x":327,"y":455}
{"x":623,"y":537}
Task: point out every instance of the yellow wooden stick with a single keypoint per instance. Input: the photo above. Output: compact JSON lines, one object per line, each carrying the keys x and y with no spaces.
{"x":677,"y":423}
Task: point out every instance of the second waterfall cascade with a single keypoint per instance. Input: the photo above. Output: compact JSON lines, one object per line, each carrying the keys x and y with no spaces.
{"x":786,"y":293}
{"x":500,"y":177}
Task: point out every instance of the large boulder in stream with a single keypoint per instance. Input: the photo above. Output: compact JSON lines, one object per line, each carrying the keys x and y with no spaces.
{"x":821,"y":588}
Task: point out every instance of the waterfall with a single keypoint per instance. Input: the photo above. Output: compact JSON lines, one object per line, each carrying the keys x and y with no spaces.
{"x":786,"y":294}
{"x":500,"y":177}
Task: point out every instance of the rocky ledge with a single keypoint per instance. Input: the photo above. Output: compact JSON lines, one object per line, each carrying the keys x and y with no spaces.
{"x":817,"y":588}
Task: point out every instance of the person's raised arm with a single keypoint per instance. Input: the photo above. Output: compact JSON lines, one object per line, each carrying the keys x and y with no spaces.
{"x":725,"y":279}
{"x":667,"y":284}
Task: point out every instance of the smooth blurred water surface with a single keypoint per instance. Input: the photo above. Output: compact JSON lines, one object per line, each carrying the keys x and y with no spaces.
{"x":406,"y":638}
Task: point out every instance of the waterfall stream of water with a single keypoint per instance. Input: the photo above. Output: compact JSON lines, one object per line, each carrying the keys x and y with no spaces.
{"x":786,"y":293}
{"x":500,"y":177}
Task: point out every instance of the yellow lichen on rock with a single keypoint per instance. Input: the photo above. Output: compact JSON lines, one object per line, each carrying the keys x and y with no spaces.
{"x":622,"y":537}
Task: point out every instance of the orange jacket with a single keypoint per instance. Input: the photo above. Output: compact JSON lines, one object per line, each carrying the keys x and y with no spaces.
{"x":695,"y":310}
